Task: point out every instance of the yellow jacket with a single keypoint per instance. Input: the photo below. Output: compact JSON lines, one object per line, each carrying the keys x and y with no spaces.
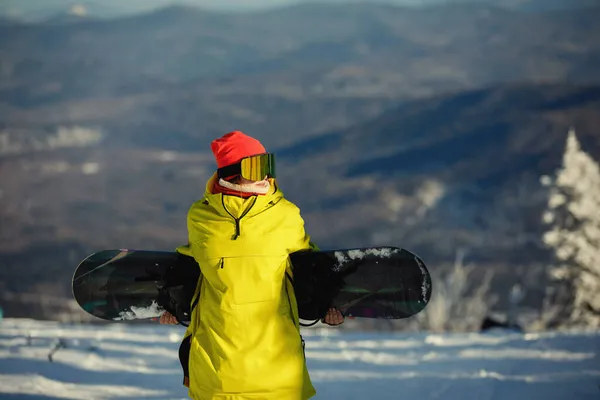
{"x":245,"y":334}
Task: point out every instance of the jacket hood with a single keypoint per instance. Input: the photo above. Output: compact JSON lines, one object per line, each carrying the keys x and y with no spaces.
{"x":235,"y":206}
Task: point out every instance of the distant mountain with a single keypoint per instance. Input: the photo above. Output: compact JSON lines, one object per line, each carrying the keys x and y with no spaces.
{"x":38,"y":10}
{"x":359,"y":50}
{"x":431,"y":137}
{"x":551,"y":5}
{"x":457,"y":171}
{"x":68,"y":18}
{"x":392,"y":125}
{"x":8,"y":21}
{"x":484,"y":150}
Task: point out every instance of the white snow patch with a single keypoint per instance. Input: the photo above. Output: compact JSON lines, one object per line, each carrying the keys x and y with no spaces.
{"x":12,"y":342}
{"x":105,"y":334}
{"x":152,"y":311}
{"x":34,"y":384}
{"x":139,"y":360}
{"x":345,"y":256}
{"x":351,"y":375}
{"x":341,"y":258}
{"x":144,"y":350}
{"x":525,"y":354}
{"x":425,"y":285}
{"x":90,"y":168}
{"x":374,"y":357}
{"x":89,"y":360}
{"x":413,"y":358}
{"x":467,"y":340}
{"x":55,"y":167}
{"x":167,"y":156}
{"x":363,"y":344}
{"x":78,"y":10}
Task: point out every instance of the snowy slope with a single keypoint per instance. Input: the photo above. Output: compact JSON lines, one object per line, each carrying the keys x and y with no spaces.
{"x":140,"y":362}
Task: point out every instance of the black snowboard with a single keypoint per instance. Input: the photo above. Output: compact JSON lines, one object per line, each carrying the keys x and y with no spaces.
{"x":376,"y":282}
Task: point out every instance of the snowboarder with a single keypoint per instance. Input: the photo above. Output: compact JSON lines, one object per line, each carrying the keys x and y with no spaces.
{"x":243,"y":341}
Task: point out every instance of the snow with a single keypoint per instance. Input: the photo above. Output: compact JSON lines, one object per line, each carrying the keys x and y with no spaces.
{"x":425,"y":285}
{"x":343,"y":257}
{"x":137,"y":360}
{"x":355,"y":254}
{"x":573,"y":231}
{"x":152,"y":311}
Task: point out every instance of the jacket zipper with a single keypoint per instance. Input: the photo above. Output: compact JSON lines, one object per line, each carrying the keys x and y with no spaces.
{"x":237,"y":220}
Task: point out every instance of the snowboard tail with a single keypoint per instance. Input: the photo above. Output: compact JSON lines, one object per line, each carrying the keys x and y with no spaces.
{"x":375,"y":282}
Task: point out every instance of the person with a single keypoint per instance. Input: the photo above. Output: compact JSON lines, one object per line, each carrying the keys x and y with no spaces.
{"x":243,"y":340}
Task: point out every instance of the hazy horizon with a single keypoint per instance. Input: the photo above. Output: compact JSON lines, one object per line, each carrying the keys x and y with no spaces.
{"x":41,"y":9}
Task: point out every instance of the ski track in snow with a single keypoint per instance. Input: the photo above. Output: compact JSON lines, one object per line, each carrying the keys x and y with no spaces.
{"x":139,"y":361}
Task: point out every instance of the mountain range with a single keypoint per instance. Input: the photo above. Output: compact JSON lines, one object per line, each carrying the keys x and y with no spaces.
{"x":40,"y":10}
{"x":194,"y":73}
{"x":426,"y":128}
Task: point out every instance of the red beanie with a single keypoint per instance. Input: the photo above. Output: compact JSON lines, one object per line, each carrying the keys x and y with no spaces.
{"x":233,"y":146}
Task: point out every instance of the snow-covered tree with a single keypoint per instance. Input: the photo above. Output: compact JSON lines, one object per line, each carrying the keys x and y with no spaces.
{"x":573,"y":219}
{"x":460,"y":301}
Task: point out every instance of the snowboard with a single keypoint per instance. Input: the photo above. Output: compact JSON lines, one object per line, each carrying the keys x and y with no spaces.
{"x":373,"y":282}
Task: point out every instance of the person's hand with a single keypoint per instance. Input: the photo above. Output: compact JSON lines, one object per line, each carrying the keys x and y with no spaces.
{"x":333,"y":317}
{"x":167,"y":318}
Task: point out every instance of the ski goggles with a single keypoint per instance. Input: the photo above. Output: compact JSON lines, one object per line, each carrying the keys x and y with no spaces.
{"x":253,"y":168}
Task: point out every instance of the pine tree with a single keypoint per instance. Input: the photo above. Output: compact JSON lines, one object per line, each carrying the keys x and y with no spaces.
{"x":573,"y":219}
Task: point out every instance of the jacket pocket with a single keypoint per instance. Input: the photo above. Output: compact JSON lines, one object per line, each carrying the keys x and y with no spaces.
{"x":252,"y":279}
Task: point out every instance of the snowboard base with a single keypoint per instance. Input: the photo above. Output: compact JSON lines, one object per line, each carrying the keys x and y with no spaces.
{"x":374,"y":282}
